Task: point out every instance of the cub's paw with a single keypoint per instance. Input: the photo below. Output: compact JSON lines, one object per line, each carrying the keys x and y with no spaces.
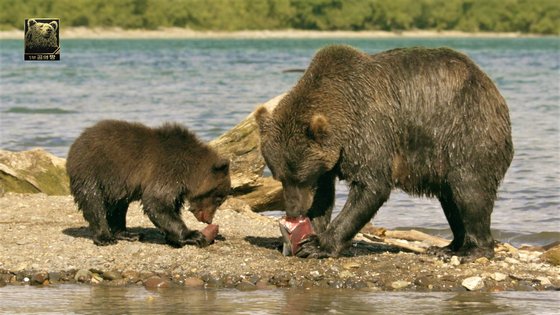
{"x":195,"y":238}
{"x":129,"y":236}
{"x":310,"y":247}
{"x":104,"y":240}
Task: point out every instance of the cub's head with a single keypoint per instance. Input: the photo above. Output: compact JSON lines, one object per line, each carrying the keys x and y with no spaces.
{"x":298,"y":150}
{"x":214,"y":185}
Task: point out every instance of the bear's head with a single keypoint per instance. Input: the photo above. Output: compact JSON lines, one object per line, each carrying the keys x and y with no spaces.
{"x":298,"y":150}
{"x":46,"y":30}
{"x":214,"y":185}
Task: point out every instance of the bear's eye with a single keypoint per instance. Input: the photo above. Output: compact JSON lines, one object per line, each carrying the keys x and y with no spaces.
{"x":219,"y":199}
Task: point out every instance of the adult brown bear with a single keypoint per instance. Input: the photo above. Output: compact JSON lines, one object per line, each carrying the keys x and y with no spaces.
{"x":427,"y":121}
{"x":115,"y":162}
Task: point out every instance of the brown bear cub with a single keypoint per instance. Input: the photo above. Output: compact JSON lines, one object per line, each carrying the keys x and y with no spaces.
{"x":115,"y":162}
{"x":426,"y":121}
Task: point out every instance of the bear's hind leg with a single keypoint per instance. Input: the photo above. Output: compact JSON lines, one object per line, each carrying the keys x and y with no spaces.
{"x":468,"y":207}
{"x":95,"y":213}
{"x":116,"y":217}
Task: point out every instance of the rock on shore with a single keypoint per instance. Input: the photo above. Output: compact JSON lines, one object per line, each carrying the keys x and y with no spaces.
{"x":44,"y":240}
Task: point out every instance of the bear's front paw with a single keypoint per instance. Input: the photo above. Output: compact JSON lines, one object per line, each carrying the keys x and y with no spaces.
{"x":129,"y":236}
{"x":104,"y":240}
{"x":195,"y":238}
{"x":310,"y":247}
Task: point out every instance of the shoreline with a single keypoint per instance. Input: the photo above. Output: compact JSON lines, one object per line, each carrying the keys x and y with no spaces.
{"x":183,"y":33}
{"x":45,"y":240}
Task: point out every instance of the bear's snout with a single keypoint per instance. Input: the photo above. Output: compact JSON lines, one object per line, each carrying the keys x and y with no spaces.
{"x":297,"y":200}
{"x":47,"y":31}
{"x":203,"y":216}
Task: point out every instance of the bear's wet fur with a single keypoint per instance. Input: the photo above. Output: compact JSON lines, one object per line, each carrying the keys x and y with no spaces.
{"x":426,"y":121}
{"x":115,"y":162}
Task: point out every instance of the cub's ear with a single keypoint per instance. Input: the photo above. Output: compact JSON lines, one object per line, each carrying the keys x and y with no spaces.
{"x":262,"y":116}
{"x":319,"y":128}
{"x":54,"y":25}
{"x":31,"y":22}
{"x":222,"y":166}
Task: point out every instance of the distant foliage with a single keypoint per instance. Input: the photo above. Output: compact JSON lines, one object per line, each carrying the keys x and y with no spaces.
{"x":524,"y":16}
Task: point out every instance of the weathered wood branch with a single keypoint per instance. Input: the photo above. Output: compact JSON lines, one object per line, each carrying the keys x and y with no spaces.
{"x":241,"y":145}
{"x":412,"y":240}
{"x":33,"y":171}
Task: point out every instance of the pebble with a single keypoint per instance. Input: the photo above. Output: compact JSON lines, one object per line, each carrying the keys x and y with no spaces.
{"x":552,"y":256}
{"x":498,"y":276}
{"x":215,"y":282}
{"x":156,"y":282}
{"x":454,"y":261}
{"x":512,"y":261}
{"x":424,"y":281}
{"x":39,"y":278}
{"x":482,"y":260}
{"x":112,"y":275}
{"x":336,"y":284}
{"x":315,"y":275}
{"x":544,"y":281}
{"x":400,"y":284}
{"x":473,"y":283}
{"x":193,"y":283}
{"x":96,"y":278}
{"x":351,"y":265}
{"x":245,"y":286}
{"x":345,"y":274}
{"x":83,"y":275}
{"x":54,"y":276}
{"x":264,"y":285}
{"x":510,"y":248}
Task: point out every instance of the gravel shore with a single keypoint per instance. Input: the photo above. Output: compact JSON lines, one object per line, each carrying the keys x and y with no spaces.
{"x":45,"y":240}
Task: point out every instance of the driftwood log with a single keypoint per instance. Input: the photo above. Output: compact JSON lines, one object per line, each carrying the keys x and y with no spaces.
{"x":33,"y":171}
{"x":242,"y":145}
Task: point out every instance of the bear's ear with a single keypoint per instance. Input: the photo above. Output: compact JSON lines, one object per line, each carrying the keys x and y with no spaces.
{"x":319,"y":128}
{"x":222,"y":166}
{"x":31,"y":22}
{"x":54,"y":25}
{"x":262,"y":116}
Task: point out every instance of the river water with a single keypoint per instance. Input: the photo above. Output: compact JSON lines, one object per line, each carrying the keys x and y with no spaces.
{"x":211,"y":84}
{"x":83,"y":299}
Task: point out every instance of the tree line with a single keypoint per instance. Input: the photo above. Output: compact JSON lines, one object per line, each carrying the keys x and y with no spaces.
{"x":524,"y":16}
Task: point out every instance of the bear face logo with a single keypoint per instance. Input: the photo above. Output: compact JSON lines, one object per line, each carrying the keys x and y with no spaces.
{"x":42,"y":39}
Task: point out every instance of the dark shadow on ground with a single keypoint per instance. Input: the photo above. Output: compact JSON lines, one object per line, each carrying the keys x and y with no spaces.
{"x":149,"y":235}
{"x":359,"y":248}
{"x":274,"y":243}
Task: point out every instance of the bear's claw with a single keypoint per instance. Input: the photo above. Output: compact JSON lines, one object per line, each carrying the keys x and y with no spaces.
{"x":104,"y":240}
{"x":310,"y":248}
{"x":129,"y":236}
